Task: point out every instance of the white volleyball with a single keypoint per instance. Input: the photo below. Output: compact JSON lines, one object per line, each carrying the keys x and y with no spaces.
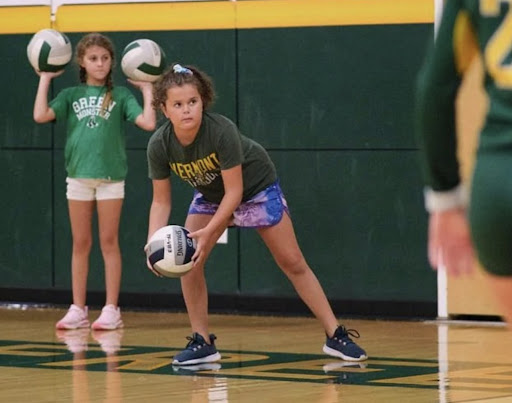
{"x":143,"y":60}
{"x":170,"y":251}
{"x":49,"y":50}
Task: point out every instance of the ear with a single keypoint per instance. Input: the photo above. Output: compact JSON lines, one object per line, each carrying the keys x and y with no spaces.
{"x":164,"y":110}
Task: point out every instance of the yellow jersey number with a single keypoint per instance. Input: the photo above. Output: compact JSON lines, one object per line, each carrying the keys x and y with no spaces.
{"x":499,"y":45}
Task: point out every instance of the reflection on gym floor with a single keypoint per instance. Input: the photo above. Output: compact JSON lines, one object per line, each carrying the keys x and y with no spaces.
{"x":264,"y":359}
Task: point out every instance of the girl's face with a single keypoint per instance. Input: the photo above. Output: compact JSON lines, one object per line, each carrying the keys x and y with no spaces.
{"x":97,"y":62}
{"x":184,"y":108}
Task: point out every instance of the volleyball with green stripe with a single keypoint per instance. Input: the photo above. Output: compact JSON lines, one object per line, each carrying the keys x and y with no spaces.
{"x":49,"y":50}
{"x":143,"y":60}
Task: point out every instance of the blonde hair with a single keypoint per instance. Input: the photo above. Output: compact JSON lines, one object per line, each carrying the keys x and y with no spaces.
{"x":96,"y":39}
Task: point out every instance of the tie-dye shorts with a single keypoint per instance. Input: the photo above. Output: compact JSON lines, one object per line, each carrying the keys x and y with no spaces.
{"x":264,"y":209}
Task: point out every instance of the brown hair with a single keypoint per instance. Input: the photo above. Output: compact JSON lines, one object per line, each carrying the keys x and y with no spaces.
{"x":177,"y":76}
{"x":96,"y":39}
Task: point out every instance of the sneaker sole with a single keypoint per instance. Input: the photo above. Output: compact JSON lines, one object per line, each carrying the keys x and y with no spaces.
{"x":202,"y":360}
{"x":98,"y":326}
{"x":63,"y":326}
{"x":335,"y":353}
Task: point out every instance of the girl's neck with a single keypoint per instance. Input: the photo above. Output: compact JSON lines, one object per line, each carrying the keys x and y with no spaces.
{"x":95,"y":83}
{"x":187,"y":137}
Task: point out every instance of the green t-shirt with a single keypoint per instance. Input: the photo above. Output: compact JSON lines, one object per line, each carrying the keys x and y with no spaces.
{"x":218,"y":146}
{"x":95,"y":143}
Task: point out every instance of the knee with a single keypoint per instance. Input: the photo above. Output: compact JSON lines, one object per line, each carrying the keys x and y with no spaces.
{"x":82,"y":244}
{"x":109,"y":243}
{"x":293,"y":264}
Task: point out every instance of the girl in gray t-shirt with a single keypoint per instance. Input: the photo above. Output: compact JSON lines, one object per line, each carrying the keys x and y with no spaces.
{"x":235,"y":183}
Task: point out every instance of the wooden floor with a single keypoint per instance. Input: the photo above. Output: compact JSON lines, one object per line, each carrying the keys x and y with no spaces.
{"x":264,"y":359}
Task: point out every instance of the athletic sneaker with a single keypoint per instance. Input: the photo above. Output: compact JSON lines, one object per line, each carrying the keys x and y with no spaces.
{"x":75,"y":318}
{"x":197,"y":351}
{"x":341,"y":345}
{"x":76,"y":340}
{"x":109,"y":319}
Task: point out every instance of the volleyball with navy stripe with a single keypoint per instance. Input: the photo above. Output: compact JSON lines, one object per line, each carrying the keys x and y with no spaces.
{"x":49,"y":50}
{"x":170,"y":251}
{"x":143,"y":60}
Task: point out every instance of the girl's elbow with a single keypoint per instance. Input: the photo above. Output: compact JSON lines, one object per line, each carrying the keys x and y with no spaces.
{"x":43,"y":117}
{"x":39,"y":118}
{"x":150,"y":126}
{"x":147,"y":125}
{"x":239,"y":196}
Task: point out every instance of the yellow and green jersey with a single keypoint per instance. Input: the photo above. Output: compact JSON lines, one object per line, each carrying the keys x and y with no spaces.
{"x":467,"y":27}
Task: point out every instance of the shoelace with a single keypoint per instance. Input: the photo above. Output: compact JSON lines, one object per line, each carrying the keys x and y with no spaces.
{"x":193,"y":341}
{"x":345,"y":333}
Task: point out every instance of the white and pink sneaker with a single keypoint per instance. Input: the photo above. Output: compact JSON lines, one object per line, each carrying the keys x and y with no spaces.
{"x":109,"y":319}
{"x":75,"y":318}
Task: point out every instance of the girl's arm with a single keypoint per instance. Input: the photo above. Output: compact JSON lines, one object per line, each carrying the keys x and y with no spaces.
{"x":147,"y":119}
{"x":233,"y":191}
{"x":160,"y":209}
{"x":42,"y":112}
{"x":159,"y":212}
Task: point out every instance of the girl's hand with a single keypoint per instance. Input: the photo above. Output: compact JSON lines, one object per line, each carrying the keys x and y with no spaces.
{"x":205,"y":241}
{"x":148,"y":263}
{"x":141,"y":85}
{"x":449,"y":243}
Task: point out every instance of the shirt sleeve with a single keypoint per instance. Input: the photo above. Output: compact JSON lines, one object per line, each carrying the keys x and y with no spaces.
{"x":158,"y":160}
{"x":439,"y":79}
{"x":229,"y":147}
{"x":132,"y":107}
{"x":59,"y":105}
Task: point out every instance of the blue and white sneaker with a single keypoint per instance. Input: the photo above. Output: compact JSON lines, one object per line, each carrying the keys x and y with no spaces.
{"x":197,"y":351}
{"x":341,"y":345}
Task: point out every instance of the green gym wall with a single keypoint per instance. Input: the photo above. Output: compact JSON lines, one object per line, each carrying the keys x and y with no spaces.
{"x":325,"y":85}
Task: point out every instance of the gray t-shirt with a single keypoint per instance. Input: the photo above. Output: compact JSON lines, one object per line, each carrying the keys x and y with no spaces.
{"x":218,"y":146}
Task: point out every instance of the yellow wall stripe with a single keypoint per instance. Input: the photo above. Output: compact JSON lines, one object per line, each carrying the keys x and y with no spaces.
{"x":216,"y":15}
{"x":289,"y":13}
{"x":17,"y":20}
{"x":146,"y":16}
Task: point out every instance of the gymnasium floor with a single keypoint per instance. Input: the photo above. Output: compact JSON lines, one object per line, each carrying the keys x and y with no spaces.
{"x":264,"y":359}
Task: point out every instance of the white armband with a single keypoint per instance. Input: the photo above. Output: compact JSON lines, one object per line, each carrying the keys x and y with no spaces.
{"x":437,"y":201}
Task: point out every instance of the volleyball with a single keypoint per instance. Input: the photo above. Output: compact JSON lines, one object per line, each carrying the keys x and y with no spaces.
{"x":143,"y":60}
{"x":49,"y":50}
{"x":170,"y":251}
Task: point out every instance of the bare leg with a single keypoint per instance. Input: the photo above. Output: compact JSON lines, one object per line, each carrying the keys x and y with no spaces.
{"x":80,"y":215}
{"x":282,"y":243}
{"x":193,"y":285}
{"x":109,"y":214}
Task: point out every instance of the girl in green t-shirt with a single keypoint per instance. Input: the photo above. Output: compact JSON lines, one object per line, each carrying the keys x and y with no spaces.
{"x":96,"y":166}
{"x":236,"y":184}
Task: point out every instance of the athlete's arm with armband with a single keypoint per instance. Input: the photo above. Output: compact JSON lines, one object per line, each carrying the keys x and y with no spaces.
{"x":449,"y":241}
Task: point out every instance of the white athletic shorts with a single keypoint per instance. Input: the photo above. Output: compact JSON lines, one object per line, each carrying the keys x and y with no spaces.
{"x":94,"y":189}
